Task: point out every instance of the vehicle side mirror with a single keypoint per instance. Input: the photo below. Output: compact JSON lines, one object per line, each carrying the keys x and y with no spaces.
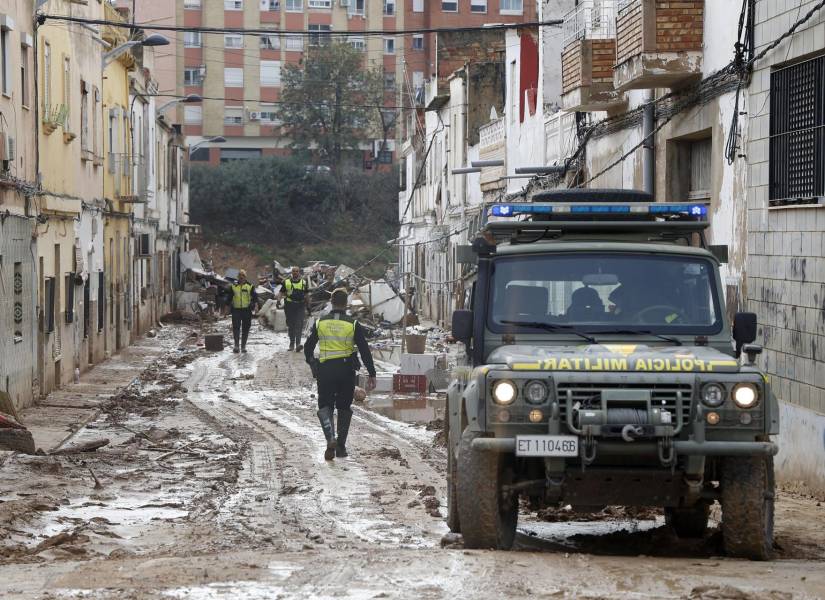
{"x":744,"y":330}
{"x":720,"y":252}
{"x":463,"y":325}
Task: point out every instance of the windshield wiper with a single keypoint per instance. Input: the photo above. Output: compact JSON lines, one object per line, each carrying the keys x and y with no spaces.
{"x":666,"y":338}
{"x":552,"y":327}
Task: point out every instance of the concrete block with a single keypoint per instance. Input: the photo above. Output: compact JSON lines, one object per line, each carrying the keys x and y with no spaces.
{"x":418,"y":364}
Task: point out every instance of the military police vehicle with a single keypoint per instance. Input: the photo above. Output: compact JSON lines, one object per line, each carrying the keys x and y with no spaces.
{"x":602,"y":371}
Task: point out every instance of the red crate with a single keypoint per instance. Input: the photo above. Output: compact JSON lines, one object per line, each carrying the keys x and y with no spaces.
{"x":409,"y":384}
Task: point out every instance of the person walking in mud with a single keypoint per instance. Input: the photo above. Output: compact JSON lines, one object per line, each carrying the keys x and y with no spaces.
{"x":243,"y":300}
{"x":295,"y":294}
{"x":337,"y":334}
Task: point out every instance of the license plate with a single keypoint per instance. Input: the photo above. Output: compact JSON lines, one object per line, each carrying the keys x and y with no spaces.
{"x":547,"y":445}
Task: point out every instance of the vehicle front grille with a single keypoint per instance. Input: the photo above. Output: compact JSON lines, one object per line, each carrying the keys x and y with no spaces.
{"x":662,"y":395}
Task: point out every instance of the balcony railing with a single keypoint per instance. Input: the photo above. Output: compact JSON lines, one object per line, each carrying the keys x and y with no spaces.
{"x":560,"y":137}
{"x":590,"y":20}
{"x":491,"y":135}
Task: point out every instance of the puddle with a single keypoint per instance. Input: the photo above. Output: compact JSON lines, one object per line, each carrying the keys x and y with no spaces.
{"x":408,"y":409}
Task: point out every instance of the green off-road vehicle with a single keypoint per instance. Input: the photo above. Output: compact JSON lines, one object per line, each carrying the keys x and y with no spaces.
{"x":602,"y":371}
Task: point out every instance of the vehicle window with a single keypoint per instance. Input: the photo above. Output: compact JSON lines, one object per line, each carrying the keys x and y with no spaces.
{"x":604,"y":292}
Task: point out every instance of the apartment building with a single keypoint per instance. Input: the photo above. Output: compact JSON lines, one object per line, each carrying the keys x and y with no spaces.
{"x":239,"y":77}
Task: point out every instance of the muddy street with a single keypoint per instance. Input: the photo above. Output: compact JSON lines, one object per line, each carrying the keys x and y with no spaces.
{"x":213,"y":485}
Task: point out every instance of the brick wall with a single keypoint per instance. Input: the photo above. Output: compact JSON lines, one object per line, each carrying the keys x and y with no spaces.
{"x":679,"y":25}
{"x":571,"y":66}
{"x":659,"y":26}
{"x":603,"y":60}
{"x":629,"y":32}
{"x":786,"y":253}
{"x":455,"y":48}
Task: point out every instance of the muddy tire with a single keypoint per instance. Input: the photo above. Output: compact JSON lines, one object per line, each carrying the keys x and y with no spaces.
{"x":453,"y":522}
{"x":689,"y":523}
{"x":487,"y":519}
{"x":748,"y":491}
{"x":17,"y":439}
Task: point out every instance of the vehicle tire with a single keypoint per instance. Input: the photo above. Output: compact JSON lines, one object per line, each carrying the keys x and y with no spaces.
{"x":453,"y":522}
{"x":748,"y":492}
{"x":487,"y":519}
{"x":17,"y":439}
{"x":690,"y":522}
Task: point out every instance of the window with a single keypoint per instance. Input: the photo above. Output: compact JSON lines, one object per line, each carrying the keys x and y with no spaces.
{"x":797,"y":133}
{"x":95,"y":126}
{"x":47,"y":78}
{"x":233,"y":4}
{"x":389,"y":81}
{"x":191,"y":3}
{"x":294,"y":42}
{"x":24,"y":75}
{"x":5,"y":58}
{"x":356,"y":7}
{"x":191,"y":39}
{"x":233,"y":77}
{"x":270,"y":5}
{"x":84,"y":117}
{"x":67,"y":83}
{"x":232,"y":40}
{"x":511,"y":7}
{"x":449,"y":6}
{"x":192,"y":115}
{"x":322,"y":35}
{"x":193,"y":75}
{"x":319,"y":3}
{"x":418,"y":42}
{"x":270,"y":73}
{"x":389,"y":7}
{"x":229,"y":154}
{"x":357,"y":42}
{"x":233,"y":115}
{"x":270,"y":41}
{"x":418,"y":5}
{"x":478,"y":6}
{"x":294,"y":5}
{"x":389,"y":45}
{"x":269,"y":114}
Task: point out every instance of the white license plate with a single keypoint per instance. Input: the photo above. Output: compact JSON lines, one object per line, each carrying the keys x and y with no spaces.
{"x":547,"y":445}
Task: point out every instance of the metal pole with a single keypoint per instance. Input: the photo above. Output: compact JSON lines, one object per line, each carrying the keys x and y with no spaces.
{"x":406,"y":312}
{"x":648,"y":149}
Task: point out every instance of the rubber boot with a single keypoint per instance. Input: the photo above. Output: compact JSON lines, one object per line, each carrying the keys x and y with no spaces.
{"x":327,"y":424}
{"x":344,"y":419}
{"x":236,"y":349}
{"x":244,"y":336}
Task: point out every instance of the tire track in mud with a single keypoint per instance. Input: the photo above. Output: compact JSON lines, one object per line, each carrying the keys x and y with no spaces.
{"x":287,"y":479}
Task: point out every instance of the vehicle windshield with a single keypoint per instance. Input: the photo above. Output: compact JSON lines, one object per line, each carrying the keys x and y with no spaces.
{"x":605,"y":292}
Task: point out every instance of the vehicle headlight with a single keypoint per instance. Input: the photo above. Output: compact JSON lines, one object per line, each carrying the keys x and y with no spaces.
{"x":535,"y":392}
{"x":504,"y":392}
{"x":745,"y":395}
{"x":713,"y":394}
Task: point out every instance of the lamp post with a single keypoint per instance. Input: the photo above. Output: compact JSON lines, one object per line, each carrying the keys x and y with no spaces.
{"x":153,"y":40}
{"x":188,"y":99}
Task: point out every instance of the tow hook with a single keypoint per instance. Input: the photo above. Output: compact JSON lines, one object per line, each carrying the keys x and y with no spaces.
{"x":631,"y":432}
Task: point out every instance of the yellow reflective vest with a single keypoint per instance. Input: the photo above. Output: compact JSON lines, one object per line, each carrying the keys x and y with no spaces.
{"x":241,"y":295}
{"x":295,"y":286}
{"x":336,"y":337}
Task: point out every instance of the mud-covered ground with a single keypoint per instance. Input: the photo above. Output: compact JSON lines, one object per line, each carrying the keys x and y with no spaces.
{"x":214,"y":485}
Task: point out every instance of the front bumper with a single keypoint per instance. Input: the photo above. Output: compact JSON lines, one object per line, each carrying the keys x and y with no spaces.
{"x":680,"y":447}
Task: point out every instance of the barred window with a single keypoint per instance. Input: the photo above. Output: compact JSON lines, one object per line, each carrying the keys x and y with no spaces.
{"x":797,"y":133}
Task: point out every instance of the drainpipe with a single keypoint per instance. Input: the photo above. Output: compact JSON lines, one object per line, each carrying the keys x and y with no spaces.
{"x":648,"y":149}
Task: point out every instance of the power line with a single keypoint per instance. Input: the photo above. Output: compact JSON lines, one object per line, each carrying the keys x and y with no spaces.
{"x":261,"y":101}
{"x":42,"y":18}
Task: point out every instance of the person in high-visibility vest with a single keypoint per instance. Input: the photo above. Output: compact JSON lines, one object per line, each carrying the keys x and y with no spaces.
{"x":337,"y":335}
{"x":295,"y":294}
{"x":243,"y":302}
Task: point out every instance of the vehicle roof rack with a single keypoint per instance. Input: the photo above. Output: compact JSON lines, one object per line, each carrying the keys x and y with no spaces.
{"x":592,"y":195}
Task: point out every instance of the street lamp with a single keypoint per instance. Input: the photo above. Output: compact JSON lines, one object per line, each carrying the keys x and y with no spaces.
{"x":218,"y":139}
{"x":153,"y":40}
{"x":188,"y":99}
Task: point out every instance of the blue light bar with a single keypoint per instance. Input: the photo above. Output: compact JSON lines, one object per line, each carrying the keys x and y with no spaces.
{"x":509,"y":210}
{"x":599,"y":208}
{"x":694,"y":210}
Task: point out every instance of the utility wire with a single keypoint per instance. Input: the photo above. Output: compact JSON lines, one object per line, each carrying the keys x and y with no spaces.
{"x":43,"y":18}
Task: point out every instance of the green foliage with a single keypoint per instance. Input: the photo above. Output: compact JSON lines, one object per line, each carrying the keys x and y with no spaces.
{"x":279,"y":208}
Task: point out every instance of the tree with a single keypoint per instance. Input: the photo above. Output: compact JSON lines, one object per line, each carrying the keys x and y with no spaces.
{"x":328,"y":107}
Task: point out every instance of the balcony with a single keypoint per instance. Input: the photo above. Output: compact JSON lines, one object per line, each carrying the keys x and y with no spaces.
{"x":588,"y":58}
{"x":492,"y":145}
{"x":560,"y":141}
{"x":659,"y":43}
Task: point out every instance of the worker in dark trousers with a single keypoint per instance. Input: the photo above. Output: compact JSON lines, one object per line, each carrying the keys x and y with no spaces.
{"x":243,"y":302}
{"x":295,"y":294}
{"x":337,"y":334}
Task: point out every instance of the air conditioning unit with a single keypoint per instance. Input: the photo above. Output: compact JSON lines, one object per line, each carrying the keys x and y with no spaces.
{"x":254,"y":115}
